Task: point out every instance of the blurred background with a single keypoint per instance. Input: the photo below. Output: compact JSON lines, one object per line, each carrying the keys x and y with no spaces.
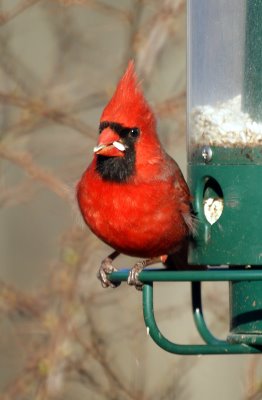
{"x":62,"y":335}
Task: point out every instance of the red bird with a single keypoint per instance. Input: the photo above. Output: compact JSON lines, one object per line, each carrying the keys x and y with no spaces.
{"x":133,"y":195}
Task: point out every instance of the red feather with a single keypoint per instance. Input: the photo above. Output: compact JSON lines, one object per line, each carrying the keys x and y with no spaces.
{"x":149,"y":215}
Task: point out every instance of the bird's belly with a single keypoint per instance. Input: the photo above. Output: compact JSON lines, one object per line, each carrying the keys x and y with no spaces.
{"x":136,"y":227}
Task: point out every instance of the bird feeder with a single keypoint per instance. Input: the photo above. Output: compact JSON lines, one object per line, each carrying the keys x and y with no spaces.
{"x":224,"y":173}
{"x":225,"y":148}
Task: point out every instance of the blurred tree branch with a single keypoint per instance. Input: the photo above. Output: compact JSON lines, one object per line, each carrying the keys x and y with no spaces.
{"x":24,"y":161}
{"x":38,"y":108}
{"x":15,"y":11}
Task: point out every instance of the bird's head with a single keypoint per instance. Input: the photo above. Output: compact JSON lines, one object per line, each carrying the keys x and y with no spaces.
{"x":127,"y":131}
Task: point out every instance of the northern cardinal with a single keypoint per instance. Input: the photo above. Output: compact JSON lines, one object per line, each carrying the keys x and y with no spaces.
{"x":133,"y":195}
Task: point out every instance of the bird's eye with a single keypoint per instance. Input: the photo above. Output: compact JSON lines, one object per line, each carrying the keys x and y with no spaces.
{"x":134,"y":132}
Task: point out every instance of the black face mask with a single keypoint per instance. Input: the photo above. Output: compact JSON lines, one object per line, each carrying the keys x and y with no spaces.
{"x":119,"y":169}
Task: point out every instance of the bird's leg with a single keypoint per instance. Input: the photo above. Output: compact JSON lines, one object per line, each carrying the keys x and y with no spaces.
{"x":138,"y":267}
{"x":107,"y":268}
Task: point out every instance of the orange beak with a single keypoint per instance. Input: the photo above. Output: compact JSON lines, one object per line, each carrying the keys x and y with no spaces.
{"x":110,"y":144}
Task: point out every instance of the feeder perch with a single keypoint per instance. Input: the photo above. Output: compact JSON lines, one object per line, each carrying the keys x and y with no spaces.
{"x":225,"y":173}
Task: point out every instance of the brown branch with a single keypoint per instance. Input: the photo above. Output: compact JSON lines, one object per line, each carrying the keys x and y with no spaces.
{"x":173,"y":106}
{"x":24,"y":161}
{"x":99,"y":6}
{"x":151,"y":41}
{"x":134,"y":27}
{"x":14,"y":12}
{"x":82,"y":375}
{"x":253,"y":387}
{"x":25,"y":124}
{"x":39,"y":108}
{"x":17,"y":194}
{"x":101,"y":356}
{"x":13,"y":301}
{"x":18,"y":386}
{"x":19,"y":73}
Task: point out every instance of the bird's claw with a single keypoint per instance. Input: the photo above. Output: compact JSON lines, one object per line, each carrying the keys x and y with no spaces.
{"x":132,"y":279}
{"x":105,"y":269}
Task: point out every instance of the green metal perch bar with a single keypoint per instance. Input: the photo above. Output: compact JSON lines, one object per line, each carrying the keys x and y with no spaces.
{"x":212,"y":344}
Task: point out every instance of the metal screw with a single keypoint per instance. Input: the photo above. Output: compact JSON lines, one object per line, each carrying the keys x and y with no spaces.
{"x":206,"y":153}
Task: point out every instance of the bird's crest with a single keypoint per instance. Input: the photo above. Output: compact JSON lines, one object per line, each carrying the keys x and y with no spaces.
{"x":128,"y":105}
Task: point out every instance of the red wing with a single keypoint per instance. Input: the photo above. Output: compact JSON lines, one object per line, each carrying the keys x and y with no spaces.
{"x":182,"y":193}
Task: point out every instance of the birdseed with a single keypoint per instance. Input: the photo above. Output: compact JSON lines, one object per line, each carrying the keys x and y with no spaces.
{"x":225,"y":125}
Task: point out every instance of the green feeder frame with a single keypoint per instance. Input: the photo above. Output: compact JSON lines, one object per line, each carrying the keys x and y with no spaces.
{"x":225,"y":171}
{"x":212,"y":344}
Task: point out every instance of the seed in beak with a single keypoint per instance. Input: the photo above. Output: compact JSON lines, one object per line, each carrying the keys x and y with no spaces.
{"x":119,"y":146}
{"x":98,"y":148}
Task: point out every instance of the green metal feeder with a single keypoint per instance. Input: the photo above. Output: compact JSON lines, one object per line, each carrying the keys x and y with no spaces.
{"x":225,"y":173}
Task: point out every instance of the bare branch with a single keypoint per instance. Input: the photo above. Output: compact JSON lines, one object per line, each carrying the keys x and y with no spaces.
{"x":24,"y":161}
{"x":150,"y":43}
{"x":20,"y":193}
{"x":99,"y":6}
{"x":39,"y":108}
{"x":171,"y":106}
{"x":21,"y":7}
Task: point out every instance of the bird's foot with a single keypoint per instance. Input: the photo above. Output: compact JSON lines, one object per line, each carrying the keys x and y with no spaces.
{"x":132,"y":279}
{"x":106,"y":269}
